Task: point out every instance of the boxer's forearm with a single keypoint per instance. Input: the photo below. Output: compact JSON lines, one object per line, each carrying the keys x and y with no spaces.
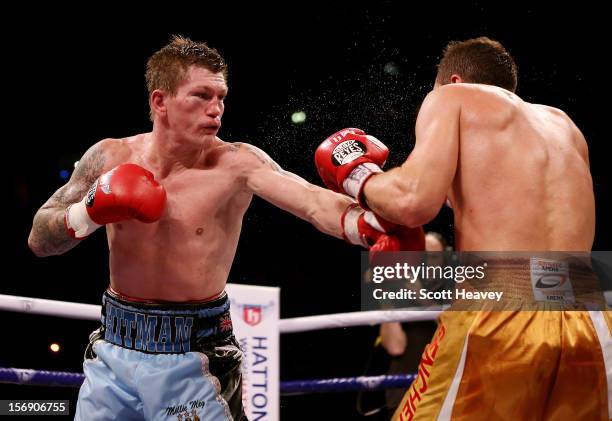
{"x":400,"y":198}
{"x":49,"y":236}
{"x":326,"y":209}
{"x":321,"y":207}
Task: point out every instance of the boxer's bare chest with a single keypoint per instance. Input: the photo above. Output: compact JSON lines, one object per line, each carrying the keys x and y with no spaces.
{"x":197,"y":199}
{"x":197,"y":194}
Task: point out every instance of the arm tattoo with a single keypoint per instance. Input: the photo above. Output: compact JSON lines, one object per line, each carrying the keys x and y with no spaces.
{"x":49,"y":235}
{"x":265,"y":159}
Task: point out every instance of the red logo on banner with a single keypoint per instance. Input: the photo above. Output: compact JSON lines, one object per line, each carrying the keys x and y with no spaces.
{"x":251,"y":314}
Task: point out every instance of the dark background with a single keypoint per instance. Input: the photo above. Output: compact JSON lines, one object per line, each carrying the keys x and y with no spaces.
{"x":71,"y":81}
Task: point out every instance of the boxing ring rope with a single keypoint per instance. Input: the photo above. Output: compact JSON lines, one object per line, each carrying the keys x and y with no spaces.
{"x":50,"y":307}
{"x":290,"y":325}
{"x":297,"y":324}
{"x":346,"y":384}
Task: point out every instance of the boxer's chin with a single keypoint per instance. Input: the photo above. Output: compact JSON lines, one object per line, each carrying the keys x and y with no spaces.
{"x":210,"y":131}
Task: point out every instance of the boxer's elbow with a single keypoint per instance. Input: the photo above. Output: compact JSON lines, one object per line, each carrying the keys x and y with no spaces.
{"x":35,"y":239}
{"x":47,"y":249}
{"x":36,"y":247}
{"x":39,"y":245}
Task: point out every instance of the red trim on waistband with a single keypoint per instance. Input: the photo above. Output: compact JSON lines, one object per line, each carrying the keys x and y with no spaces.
{"x":149,"y":301}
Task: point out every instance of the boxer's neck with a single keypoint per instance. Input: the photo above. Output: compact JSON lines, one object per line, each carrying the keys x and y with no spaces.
{"x":168,"y":152}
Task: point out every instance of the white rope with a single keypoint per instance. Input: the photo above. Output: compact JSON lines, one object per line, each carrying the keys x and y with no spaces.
{"x":50,"y":307}
{"x":361,"y":318}
{"x":297,"y":324}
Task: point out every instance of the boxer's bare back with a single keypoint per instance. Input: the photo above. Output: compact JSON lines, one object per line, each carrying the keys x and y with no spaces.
{"x":523,"y":181}
{"x":517,"y":174}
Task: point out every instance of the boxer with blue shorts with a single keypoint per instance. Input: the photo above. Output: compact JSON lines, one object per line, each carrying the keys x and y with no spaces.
{"x":162,"y":361}
{"x":172,"y":201}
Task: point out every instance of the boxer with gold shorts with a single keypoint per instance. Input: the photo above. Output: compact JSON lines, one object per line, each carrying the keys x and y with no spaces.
{"x":517,"y":177}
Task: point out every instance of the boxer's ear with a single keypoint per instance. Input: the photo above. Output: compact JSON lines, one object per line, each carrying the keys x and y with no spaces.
{"x":157,"y":102}
{"x":456,"y":79}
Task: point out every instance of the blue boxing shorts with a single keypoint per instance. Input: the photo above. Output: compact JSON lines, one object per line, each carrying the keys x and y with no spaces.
{"x":162,"y":361}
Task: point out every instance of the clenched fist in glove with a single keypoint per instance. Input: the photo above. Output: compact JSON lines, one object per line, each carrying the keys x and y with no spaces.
{"x":365,"y":228}
{"x":346,"y":159}
{"x":128,"y":191}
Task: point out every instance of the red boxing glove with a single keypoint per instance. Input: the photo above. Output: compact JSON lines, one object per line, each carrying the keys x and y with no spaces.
{"x":356,"y":229}
{"x":401,"y":239}
{"x":376,"y":234}
{"x":346,"y":159}
{"x":128,"y":191}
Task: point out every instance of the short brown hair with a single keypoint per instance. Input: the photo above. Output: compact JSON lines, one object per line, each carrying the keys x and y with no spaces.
{"x":166,"y":68}
{"x":478,"y":60}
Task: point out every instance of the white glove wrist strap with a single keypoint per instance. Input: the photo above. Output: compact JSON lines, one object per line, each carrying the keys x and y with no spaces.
{"x":78,"y":219}
{"x":353,"y":184}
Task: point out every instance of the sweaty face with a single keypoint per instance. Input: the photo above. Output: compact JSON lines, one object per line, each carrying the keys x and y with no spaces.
{"x":196,"y":109}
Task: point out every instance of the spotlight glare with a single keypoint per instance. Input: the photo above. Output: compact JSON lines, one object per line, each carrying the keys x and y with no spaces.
{"x":298,"y":117}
